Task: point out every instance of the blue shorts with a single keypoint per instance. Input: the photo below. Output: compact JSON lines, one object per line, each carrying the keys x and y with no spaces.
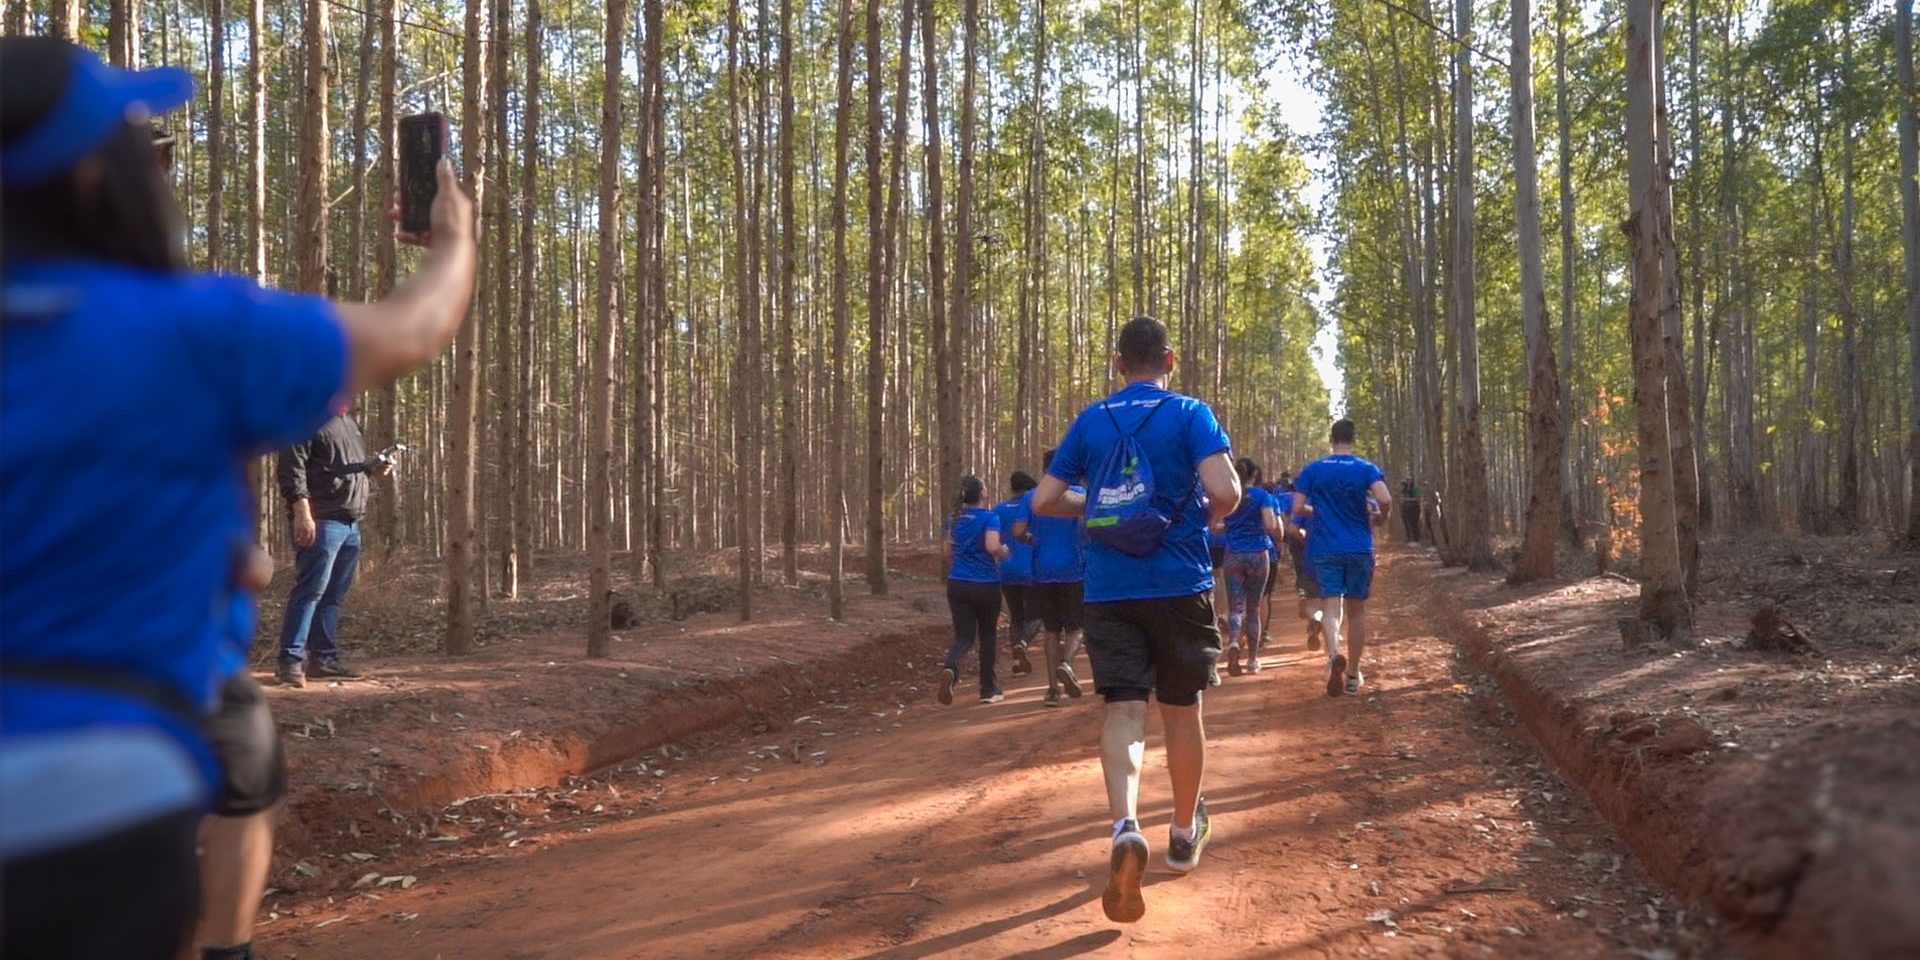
{"x":1345,"y":575}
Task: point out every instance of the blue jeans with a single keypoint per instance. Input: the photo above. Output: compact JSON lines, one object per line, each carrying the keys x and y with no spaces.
{"x":322,"y":575}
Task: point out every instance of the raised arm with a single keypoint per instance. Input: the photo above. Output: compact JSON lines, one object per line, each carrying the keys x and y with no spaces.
{"x":1053,"y":498}
{"x":403,"y":331}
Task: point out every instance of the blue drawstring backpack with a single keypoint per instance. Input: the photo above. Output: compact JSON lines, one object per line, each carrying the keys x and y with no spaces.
{"x":1123,"y":504}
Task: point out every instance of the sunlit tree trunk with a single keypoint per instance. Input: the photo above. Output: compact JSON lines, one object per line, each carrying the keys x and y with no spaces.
{"x":947,"y":407}
{"x":315,"y":156}
{"x":66,"y":19}
{"x":1663,"y":598}
{"x":789,"y":492}
{"x":1564,"y":160}
{"x":1686,"y":463}
{"x":1850,"y":406}
{"x":746,"y":481}
{"x":216,"y":131}
{"x":836,"y":434}
{"x":529,"y":272}
{"x":1545,"y":439}
{"x":462,"y":451}
{"x":1477,"y":521}
{"x":600,"y":430}
{"x":877,"y":243}
{"x":965,"y":235}
{"x":386,"y":512}
{"x":123,"y":32}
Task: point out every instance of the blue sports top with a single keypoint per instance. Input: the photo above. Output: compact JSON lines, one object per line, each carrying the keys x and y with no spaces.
{"x":1018,"y":566}
{"x":1336,"y":487}
{"x":971,"y":561}
{"x":1175,"y":442}
{"x":1060,"y":547}
{"x":1246,"y":525}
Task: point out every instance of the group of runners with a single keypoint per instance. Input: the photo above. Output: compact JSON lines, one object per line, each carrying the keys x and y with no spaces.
{"x":1138,"y":518}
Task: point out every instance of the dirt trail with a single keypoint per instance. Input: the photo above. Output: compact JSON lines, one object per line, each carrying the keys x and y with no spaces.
{"x":1415,"y":820}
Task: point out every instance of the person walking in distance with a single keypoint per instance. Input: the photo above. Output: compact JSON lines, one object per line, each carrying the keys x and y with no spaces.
{"x":1156,"y":470}
{"x":1016,"y":571}
{"x":324,"y":481}
{"x":1248,"y":533}
{"x":1304,"y":585}
{"x":1345,"y":493}
{"x":1060,"y":574}
{"x":973,"y":588}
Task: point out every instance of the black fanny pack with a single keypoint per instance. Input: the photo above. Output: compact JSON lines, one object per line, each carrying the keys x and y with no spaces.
{"x":109,"y":680}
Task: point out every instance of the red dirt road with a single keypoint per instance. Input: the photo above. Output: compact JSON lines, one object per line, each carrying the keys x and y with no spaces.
{"x":1413,"y":821}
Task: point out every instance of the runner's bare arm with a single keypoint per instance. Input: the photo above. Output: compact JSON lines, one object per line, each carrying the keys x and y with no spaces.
{"x":995,"y":548}
{"x":1382,"y":496}
{"x":1222,"y":484}
{"x":1053,"y":499}
{"x":403,"y":331}
{"x":1271,"y":522}
{"x":1022,"y":532}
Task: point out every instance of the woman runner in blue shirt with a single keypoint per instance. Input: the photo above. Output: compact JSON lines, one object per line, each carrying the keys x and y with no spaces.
{"x":973,"y":588}
{"x":1248,"y":535}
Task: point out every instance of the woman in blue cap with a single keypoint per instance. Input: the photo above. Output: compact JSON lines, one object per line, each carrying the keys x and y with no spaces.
{"x":130,"y":391}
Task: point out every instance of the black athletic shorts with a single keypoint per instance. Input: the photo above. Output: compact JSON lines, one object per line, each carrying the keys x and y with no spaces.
{"x":1061,"y":606}
{"x":133,"y":894}
{"x":1019,"y":604}
{"x":253,"y":764}
{"x":1166,"y":647}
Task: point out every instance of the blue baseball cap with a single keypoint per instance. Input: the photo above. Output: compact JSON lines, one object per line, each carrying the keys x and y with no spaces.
{"x":98,"y":98}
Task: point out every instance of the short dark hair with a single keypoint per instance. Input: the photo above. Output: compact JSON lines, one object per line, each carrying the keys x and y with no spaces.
{"x":1023,"y":481}
{"x":1342,"y":432}
{"x":1143,"y":344}
{"x":1046,"y":460}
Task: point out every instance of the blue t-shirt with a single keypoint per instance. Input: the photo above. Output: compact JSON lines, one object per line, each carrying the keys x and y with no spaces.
{"x":971,"y":561}
{"x":1175,"y":441}
{"x":1018,"y":567}
{"x":1247,"y":525}
{"x":1336,"y":487}
{"x":128,"y":399}
{"x":1060,"y":547}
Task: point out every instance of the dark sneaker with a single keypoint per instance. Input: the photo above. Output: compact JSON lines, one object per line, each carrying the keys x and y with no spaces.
{"x":1126,"y":868}
{"x":992,"y":697}
{"x":1354,"y":680}
{"x":1052,"y":699}
{"x":1184,"y":855}
{"x":1337,"y":676}
{"x":1313,"y":635}
{"x":335,"y":669}
{"x":291,"y":675}
{"x":946,"y":687}
{"x":1068,"y":679}
{"x":1233,"y":660}
{"x":1021,"y":664}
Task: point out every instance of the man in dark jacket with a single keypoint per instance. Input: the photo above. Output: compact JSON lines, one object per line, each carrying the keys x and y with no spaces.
{"x":325,"y":482}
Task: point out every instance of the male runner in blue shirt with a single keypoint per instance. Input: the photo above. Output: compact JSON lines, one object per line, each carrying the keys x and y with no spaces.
{"x":1346,"y":494}
{"x":1150,"y":629}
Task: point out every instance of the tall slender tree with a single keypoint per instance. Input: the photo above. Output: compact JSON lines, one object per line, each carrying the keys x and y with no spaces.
{"x":789,"y":485}
{"x":529,"y":272}
{"x":965,"y":239}
{"x":463,"y":408}
{"x":600,"y":431}
{"x":386,"y":515}
{"x":1478,"y":545}
{"x":1910,"y":237}
{"x":877,"y":320}
{"x":315,"y":155}
{"x":216,"y":132}
{"x":836,"y":434}
{"x":1663,"y":598}
{"x":745,"y":479}
{"x":947,"y":407}
{"x":1545,"y":439}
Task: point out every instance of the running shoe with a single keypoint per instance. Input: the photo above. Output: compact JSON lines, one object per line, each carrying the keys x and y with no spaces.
{"x":946,"y":686}
{"x":1068,"y":679}
{"x":994,"y":697}
{"x":1253,"y":661}
{"x":1354,"y":680}
{"x":1021,"y":665}
{"x":1337,"y":676}
{"x":1126,"y":868}
{"x":332,"y":667}
{"x":1052,"y":699}
{"x":1184,"y":855}
{"x":1313,"y":635}
{"x":1233,"y":660}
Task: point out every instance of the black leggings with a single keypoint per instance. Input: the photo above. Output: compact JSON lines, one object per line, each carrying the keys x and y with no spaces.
{"x":129,"y":895}
{"x":976,"y":616}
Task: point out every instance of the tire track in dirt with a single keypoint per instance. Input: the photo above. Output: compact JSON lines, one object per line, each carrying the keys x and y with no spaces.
{"x":1416,"y":820}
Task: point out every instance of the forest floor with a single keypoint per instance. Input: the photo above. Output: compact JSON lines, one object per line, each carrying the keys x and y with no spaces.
{"x":860,"y":819}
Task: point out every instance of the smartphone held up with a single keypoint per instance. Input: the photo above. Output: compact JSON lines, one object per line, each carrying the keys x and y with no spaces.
{"x":423,"y":143}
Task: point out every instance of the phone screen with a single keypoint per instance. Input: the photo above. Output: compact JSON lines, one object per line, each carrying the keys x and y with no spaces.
{"x":423,"y":141}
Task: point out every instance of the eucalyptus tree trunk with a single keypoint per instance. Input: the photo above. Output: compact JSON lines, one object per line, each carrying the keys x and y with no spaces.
{"x":947,"y":408}
{"x":656,"y":279}
{"x":745,"y":483}
{"x":123,"y":32}
{"x":1910,"y":237}
{"x":1696,"y":232}
{"x":1850,"y":404}
{"x":1686,"y":463}
{"x":965,"y":240}
{"x":1033,"y":202}
{"x":357,"y":214}
{"x":257,"y":141}
{"x":836,"y":434}
{"x":600,"y":401}
{"x":1663,"y":597}
{"x":1478,"y":545}
{"x":216,"y":131}
{"x":66,"y":19}
{"x":877,"y":286}
{"x":529,"y":268}
{"x":501,"y":379}
{"x":789,"y":485}
{"x":1546,"y":441}
{"x":1564,"y":159}
{"x":462,"y":467}
{"x":314,"y":153}
{"x":386,"y":513}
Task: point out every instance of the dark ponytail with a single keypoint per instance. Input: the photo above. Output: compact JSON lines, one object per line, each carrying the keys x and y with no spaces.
{"x":972,"y":491}
{"x":1248,"y":470}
